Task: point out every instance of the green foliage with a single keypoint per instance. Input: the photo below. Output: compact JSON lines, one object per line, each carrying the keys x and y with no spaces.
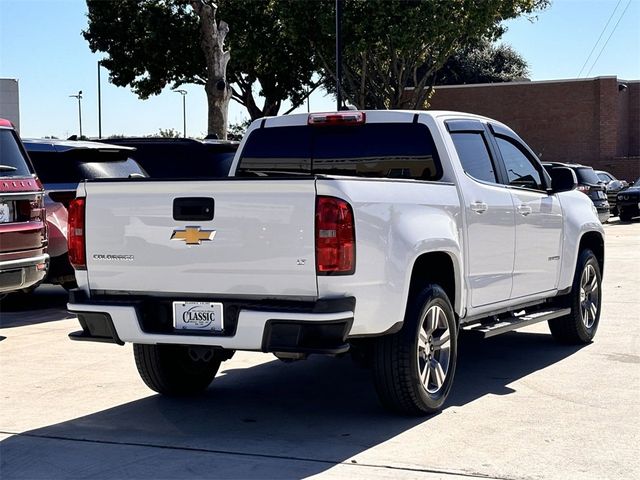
{"x":237,"y":130}
{"x":390,"y":45}
{"x":277,"y":45}
{"x":152,"y":44}
{"x":483,"y":63}
{"x":265,"y":59}
{"x":167,"y":133}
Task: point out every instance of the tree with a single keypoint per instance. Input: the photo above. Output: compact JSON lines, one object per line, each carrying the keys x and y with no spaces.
{"x":390,"y":45}
{"x":237,"y":130}
{"x":167,"y":133}
{"x":483,"y":63}
{"x":267,"y":61}
{"x":155,"y":43}
{"x":152,"y":44}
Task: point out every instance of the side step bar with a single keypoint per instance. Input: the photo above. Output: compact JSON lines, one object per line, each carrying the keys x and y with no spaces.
{"x":508,"y":324}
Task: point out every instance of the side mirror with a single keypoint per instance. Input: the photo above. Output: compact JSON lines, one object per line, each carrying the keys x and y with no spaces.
{"x":562,"y":179}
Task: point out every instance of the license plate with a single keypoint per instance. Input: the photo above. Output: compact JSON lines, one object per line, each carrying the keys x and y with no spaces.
{"x":198,"y":316}
{"x":6,"y":212}
{"x":601,"y":194}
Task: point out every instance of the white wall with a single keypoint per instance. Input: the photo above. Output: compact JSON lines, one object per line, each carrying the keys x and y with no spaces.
{"x":10,"y":101}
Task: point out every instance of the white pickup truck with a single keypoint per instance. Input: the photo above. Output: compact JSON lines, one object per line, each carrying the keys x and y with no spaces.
{"x":384,"y":232}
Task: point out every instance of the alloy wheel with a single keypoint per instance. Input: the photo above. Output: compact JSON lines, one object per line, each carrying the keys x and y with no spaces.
{"x":589,"y":295}
{"x":434,"y":349}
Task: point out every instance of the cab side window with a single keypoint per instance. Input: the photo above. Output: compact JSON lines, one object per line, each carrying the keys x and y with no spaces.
{"x":474,"y":155}
{"x":521,"y":171}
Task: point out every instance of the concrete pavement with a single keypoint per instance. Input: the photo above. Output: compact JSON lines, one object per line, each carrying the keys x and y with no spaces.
{"x":522,"y":407}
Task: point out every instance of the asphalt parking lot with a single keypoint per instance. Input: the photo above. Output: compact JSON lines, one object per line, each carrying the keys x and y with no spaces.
{"x":522,"y":407}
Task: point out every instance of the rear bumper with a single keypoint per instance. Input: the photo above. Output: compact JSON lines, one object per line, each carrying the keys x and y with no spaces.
{"x":269,"y":326}
{"x":603,"y":216}
{"x":629,"y":205}
{"x":22,"y":273}
{"x":604,"y":210}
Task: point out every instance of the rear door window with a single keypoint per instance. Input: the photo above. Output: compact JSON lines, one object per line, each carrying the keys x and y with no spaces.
{"x":12,"y":160}
{"x":587,"y":175}
{"x":375,"y":150}
{"x":474,"y":155}
{"x":604,"y":177}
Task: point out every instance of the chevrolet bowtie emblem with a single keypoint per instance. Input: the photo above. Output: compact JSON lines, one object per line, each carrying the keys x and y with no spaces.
{"x":193,"y":235}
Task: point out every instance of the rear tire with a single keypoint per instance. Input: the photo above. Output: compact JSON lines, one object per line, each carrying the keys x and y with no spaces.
{"x":68,"y":286}
{"x":414,"y":368}
{"x":585,"y":300}
{"x":176,"y":369}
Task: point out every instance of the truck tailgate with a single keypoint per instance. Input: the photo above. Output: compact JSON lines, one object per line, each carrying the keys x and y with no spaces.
{"x":260,"y":242}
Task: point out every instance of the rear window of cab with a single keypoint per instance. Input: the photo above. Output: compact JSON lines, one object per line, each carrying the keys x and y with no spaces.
{"x":77,"y":165}
{"x":374,"y":150}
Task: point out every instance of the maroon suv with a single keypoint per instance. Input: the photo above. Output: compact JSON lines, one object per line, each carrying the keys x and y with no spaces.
{"x":23,"y":229}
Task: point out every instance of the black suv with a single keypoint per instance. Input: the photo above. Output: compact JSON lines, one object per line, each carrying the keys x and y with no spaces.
{"x":181,"y":157}
{"x":61,"y":165}
{"x":629,"y":201}
{"x":589,"y":184}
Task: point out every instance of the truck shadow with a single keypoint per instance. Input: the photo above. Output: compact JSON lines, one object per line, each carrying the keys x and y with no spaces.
{"x":47,"y":303}
{"x":271,"y":420}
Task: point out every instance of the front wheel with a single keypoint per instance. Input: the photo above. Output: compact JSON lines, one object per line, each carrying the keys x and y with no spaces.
{"x":176,"y":369}
{"x":625,"y":216}
{"x":414,"y":368}
{"x":585,"y":299}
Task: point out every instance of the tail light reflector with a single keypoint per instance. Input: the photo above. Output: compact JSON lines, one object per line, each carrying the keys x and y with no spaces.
{"x":76,"y":234}
{"x":335,"y":237}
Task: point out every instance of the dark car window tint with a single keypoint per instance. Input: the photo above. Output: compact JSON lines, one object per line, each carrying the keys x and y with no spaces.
{"x":12,"y":160}
{"x":474,"y":155}
{"x":69,"y":167}
{"x":182,"y":159}
{"x":376,"y":150}
{"x":587,"y":175}
{"x":520,"y":170}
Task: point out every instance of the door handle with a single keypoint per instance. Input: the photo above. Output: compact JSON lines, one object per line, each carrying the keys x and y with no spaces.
{"x":524,"y":210}
{"x":479,"y":207}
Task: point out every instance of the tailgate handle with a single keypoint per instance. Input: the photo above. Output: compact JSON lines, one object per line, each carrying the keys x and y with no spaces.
{"x":193,"y":208}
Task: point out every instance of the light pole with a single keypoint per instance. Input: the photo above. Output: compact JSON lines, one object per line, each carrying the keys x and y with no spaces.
{"x":339,"y":54}
{"x":184,"y":111}
{"x":79,"y":97}
{"x":99,"y":103}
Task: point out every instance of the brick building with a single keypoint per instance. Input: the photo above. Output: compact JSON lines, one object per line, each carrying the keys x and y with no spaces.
{"x":595,"y":121}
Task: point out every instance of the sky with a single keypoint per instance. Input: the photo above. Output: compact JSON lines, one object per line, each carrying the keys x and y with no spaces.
{"x":41,"y":45}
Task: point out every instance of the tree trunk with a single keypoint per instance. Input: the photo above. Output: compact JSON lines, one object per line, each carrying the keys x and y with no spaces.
{"x":218,"y":108}
{"x":212,"y":36}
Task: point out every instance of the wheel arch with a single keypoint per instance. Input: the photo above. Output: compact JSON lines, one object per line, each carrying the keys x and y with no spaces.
{"x":442,"y":268}
{"x":594,"y":241}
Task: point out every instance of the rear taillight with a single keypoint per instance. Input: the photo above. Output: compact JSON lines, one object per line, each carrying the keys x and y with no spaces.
{"x":75,"y":234}
{"x":30,"y":210}
{"x":584,"y":189}
{"x":335,"y":237}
